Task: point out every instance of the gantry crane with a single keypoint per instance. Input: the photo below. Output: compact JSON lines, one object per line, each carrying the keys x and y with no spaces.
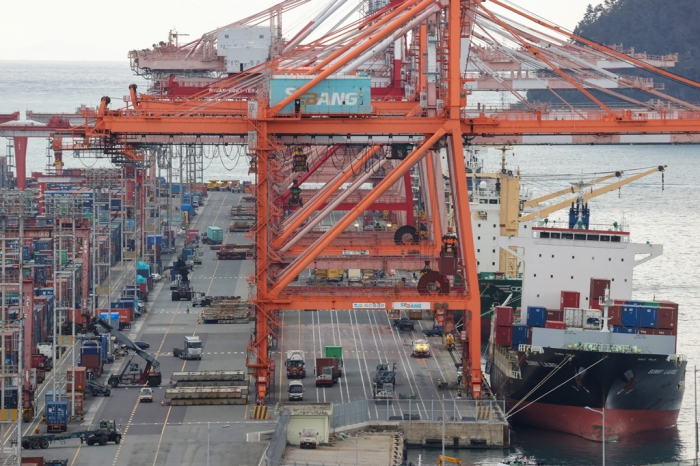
{"x":315,"y":97}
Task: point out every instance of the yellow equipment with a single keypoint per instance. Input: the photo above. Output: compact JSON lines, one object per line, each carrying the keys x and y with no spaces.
{"x":421,"y":348}
{"x":449,"y":341}
{"x":448,"y":459}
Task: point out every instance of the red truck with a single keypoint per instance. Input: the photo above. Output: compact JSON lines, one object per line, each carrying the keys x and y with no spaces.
{"x":327,"y":371}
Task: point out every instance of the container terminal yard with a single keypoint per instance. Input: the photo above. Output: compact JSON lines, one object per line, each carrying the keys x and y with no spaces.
{"x":151,"y":316}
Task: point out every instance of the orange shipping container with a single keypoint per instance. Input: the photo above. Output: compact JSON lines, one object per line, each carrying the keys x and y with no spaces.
{"x":80,"y":376}
{"x":79,"y":397}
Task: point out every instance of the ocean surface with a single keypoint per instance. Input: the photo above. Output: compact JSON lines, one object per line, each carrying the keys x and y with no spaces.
{"x":659,"y":210}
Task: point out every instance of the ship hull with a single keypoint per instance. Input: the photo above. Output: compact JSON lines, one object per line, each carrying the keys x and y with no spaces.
{"x":640,"y":392}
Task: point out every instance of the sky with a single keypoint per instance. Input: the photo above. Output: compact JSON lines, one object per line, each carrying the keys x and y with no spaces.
{"x":106,"y":30}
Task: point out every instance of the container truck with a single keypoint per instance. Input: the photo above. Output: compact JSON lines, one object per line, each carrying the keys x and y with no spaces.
{"x":191,"y":349}
{"x":327,"y":371}
{"x":335,"y":352}
{"x":295,"y":364}
{"x":215,"y":235}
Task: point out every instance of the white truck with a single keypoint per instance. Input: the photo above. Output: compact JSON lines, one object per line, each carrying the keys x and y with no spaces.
{"x":355,"y":276}
{"x":192,"y":349}
{"x":296,"y":391}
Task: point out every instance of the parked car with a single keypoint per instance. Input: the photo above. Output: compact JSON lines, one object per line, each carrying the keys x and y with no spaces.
{"x":146,"y":395}
{"x":156,"y":277}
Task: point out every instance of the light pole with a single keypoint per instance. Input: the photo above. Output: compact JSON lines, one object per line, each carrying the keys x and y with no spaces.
{"x":225,"y":426}
{"x":602,"y":413}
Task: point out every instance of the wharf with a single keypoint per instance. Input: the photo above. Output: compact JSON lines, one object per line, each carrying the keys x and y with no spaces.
{"x":170,"y":434}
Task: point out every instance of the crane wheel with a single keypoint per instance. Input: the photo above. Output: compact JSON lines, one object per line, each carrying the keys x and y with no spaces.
{"x":406,"y":234}
{"x":432,"y":283}
{"x":113,"y":382}
{"x":91,"y":441}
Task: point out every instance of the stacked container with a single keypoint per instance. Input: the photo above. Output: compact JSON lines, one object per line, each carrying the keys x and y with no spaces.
{"x":521,"y":335}
{"x":536,"y":316}
{"x":592,"y":319}
{"x":569,"y":299}
{"x":597,"y":292}
{"x":57,"y":416}
{"x":504,"y":325}
{"x":573,"y":317}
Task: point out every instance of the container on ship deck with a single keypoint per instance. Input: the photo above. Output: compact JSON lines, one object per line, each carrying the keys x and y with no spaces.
{"x":615,"y":315}
{"x":667,"y":318}
{"x":648,"y":331}
{"x":569,"y":299}
{"x":671,"y":304}
{"x":556,"y":315}
{"x":536,"y":316}
{"x":504,"y":316}
{"x":665,"y":331}
{"x":592,"y":319}
{"x":624,"y":330}
{"x":521,"y":335}
{"x":573,"y":317}
{"x":556,"y":324}
{"x":504,"y":336}
{"x":630,"y":315}
{"x":648,"y":317}
{"x":597,"y":291}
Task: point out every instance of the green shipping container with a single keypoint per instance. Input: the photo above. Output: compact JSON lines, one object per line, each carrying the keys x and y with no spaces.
{"x":215,"y":234}
{"x":333,"y":352}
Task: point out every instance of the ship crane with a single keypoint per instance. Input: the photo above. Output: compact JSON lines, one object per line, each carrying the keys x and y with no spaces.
{"x":403,"y":139}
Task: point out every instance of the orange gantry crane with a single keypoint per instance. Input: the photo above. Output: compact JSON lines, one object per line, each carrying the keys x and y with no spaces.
{"x":311,"y":115}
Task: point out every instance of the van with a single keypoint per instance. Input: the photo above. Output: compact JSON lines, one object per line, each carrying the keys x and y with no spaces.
{"x":296,"y":391}
{"x":146,"y":395}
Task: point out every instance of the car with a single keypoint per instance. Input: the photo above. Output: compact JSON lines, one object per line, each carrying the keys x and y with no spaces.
{"x":146,"y":395}
{"x":142,"y":344}
{"x":156,"y":277}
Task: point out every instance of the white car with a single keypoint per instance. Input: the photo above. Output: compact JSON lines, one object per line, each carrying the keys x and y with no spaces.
{"x":156,"y":277}
{"x":146,"y":395}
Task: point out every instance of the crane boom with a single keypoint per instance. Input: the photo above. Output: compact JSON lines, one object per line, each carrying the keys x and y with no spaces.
{"x":596,"y":192}
{"x":573,"y":189}
{"x":129,"y":344}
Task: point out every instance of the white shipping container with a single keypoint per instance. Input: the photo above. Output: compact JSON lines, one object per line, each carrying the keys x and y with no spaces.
{"x":593,"y":319}
{"x":573,"y":317}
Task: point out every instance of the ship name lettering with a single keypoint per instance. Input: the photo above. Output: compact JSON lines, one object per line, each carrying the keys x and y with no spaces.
{"x":671,"y":371}
{"x":533,"y":363}
{"x":549,"y":364}
{"x":656,"y":371}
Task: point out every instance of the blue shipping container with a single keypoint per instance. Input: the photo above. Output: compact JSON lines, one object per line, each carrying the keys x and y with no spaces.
{"x":338,"y":95}
{"x":624,"y":330}
{"x":536,"y":316}
{"x":630,"y":316}
{"x":648,"y":317}
{"x":115,"y":316}
{"x":26,"y":254}
{"x":57,"y":412}
{"x":521,"y":335}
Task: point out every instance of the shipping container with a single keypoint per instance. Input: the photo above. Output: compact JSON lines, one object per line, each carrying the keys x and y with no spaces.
{"x":536,"y":316}
{"x":504,"y":316}
{"x":630,"y":315}
{"x":57,"y":413}
{"x":648,"y":331}
{"x":79,"y":403}
{"x":504,"y":336}
{"x":648,"y":317}
{"x":570,"y":299}
{"x":333,"y":95}
{"x":521,"y":335}
{"x":556,"y":315}
{"x":592,"y":319}
{"x":573,"y":317}
{"x":665,"y":331}
{"x":597,"y":291}
{"x":615,"y":315}
{"x":79,"y":379}
{"x":667,"y":318}
{"x":624,"y":330}
{"x":560,"y":325}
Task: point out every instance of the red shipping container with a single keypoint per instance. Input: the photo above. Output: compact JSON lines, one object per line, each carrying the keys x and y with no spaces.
{"x":570,"y":299}
{"x":667,"y":317}
{"x":615,"y":315}
{"x":555,"y":314}
{"x":670,"y":304}
{"x":125,"y":315}
{"x":80,"y":376}
{"x":620,"y":301}
{"x":555,"y":324}
{"x":597,"y":290}
{"x":504,"y":316}
{"x":648,"y":331}
{"x":504,"y":336}
{"x":91,"y":361}
{"x":79,"y":398}
{"x":665,"y":331}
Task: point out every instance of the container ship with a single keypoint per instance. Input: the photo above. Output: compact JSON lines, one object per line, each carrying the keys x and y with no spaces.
{"x":583,"y":346}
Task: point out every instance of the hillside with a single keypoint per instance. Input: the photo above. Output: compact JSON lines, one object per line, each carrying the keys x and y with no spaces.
{"x":652,"y":26}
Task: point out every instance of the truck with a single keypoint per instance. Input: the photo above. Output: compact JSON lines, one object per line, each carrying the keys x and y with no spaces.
{"x":180,"y":287}
{"x":436,"y":331}
{"x":327,"y":371}
{"x":385,"y":374}
{"x":420,"y":348}
{"x":296,"y":364}
{"x":215,"y":235}
{"x":191,"y":349}
{"x":335,"y":352}
{"x":308,"y":438}
{"x":107,"y":432}
{"x":132,"y":374}
{"x":295,"y":391}
{"x":200,"y":299}
{"x":404,"y":324}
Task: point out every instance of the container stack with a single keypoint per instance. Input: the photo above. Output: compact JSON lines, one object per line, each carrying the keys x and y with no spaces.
{"x":504,"y":326}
